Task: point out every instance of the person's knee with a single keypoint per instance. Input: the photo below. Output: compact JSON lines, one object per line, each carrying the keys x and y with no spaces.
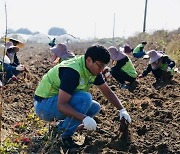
{"x":87,"y":98}
{"x":97,"y":108}
{"x":81,"y":101}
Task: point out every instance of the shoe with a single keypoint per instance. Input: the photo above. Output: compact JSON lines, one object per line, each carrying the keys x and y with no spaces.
{"x":68,"y":143}
{"x":145,"y":56}
{"x":124,"y":86}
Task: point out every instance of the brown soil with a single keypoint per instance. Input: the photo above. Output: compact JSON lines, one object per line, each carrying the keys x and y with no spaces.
{"x":155,"y":113}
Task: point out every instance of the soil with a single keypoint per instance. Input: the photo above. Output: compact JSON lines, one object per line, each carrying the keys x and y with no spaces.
{"x":154,"y":111}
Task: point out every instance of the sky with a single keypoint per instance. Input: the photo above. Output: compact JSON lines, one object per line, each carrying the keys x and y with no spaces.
{"x":90,"y":18}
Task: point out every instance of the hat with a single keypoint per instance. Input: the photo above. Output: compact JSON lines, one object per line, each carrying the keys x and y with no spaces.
{"x":14,"y":38}
{"x":116,"y":54}
{"x":144,"y":42}
{"x":9,"y":45}
{"x":60,"y":50}
{"x":154,"y":56}
{"x":127,"y":48}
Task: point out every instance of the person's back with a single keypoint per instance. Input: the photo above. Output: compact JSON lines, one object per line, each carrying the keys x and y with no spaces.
{"x":138,"y":51}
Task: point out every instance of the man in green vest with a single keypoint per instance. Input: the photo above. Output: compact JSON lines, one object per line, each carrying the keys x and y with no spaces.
{"x":138,"y":51}
{"x":62,"y":93}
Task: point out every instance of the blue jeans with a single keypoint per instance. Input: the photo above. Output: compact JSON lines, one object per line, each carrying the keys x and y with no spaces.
{"x":81,"y":101}
{"x":10,"y":71}
{"x":139,"y":54}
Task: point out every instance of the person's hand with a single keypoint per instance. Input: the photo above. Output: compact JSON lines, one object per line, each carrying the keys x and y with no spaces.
{"x":168,"y":69}
{"x":14,"y":78}
{"x":140,"y":76}
{"x":20,"y":68}
{"x":123,"y":113}
{"x":89,"y":123}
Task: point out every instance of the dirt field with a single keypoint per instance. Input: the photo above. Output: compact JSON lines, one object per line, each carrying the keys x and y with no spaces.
{"x":155,"y":114}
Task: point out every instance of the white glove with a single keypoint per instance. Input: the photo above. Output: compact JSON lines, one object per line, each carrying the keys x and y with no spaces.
{"x":89,"y":123}
{"x":168,"y":69}
{"x":107,"y":74}
{"x":20,"y":68}
{"x":123,"y":113}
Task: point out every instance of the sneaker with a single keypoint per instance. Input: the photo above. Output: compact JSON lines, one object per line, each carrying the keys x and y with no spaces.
{"x":69,"y":143}
{"x":145,"y":56}
{"x":124,"y":86}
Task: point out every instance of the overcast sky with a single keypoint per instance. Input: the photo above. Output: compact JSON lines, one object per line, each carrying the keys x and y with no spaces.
{"x":90,"y":18}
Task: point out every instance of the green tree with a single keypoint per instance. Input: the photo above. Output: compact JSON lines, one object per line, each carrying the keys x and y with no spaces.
{"x":56,"y":31}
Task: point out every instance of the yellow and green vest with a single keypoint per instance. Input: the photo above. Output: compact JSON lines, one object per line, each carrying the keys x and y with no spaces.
{"x":165,"y":66}
{"x":50,"y":83}
{"x":137,"y":48}
{"x":129,"y":69}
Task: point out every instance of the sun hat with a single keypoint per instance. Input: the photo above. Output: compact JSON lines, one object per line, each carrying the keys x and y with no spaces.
{"x":15,"y":38}
{"x":154,"y":56}
{"x":9,"y":45}
{"x":127,"y":48}
{"x":61,"y":51}
{"x":116,"y":54}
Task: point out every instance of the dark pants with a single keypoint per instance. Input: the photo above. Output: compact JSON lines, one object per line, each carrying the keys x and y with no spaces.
{"x":10,"y":71}
{"x":122,"y":76}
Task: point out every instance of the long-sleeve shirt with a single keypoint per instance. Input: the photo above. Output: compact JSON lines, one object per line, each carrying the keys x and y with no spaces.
{"x":165,"y":60}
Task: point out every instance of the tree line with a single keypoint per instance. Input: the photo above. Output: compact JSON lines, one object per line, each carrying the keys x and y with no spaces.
{"x":56,"y":31}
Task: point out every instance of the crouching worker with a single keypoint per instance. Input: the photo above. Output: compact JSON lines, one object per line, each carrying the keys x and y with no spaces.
{"x":161,"y":66}
{"x":138,"y":51}
{"x":11,"y":70}
{"x":124,"y":70}
{"x":60,"y":53}
{"x":62,"y":93}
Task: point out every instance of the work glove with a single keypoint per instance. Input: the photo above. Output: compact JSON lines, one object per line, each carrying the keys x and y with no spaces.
{"x":14,"y":78}
{"x":20,"y":68}
{"x":123,"y":113}
{"x":168,"y":69}
{"x":89,"y":123}
{"x":140,"y":76}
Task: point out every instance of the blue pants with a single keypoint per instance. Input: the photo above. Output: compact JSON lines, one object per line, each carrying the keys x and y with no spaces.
{"x":139,"y":54}
{"x":81,"y":101}
{"x":10,"y":71}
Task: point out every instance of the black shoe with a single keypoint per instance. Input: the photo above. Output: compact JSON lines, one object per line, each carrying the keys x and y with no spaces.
{"x":68,"y":143}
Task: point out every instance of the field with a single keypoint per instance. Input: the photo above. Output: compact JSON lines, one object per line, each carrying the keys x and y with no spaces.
{"x":155,"y":114}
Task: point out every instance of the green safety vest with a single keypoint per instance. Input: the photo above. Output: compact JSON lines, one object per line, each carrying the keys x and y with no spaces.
{"x":129,"y":69}
{"x":165,"y":66}
{"x":50,"y":83}
{"x":137,"y":48}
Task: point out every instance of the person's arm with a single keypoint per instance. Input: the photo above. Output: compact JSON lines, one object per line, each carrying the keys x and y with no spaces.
{"x":148,"y":70}
{"x":110,"y":95}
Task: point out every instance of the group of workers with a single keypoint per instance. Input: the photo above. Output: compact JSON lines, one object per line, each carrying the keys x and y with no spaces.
{"x":123,"y":70}
{"x":63,"y":93}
